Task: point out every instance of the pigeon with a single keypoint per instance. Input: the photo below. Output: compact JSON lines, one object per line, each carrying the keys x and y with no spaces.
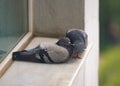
{"x":58,"y":52}
{"x":79,"y":41}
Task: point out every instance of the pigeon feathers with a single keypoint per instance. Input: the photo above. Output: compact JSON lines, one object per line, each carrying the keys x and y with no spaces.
{"x":78,"y":39}
{"x":46,"y":52}
{"x":65,"y":48}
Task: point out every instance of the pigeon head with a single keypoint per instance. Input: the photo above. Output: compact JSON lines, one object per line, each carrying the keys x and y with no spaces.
{"x":78,"y":39}
{"x":63,"y":41}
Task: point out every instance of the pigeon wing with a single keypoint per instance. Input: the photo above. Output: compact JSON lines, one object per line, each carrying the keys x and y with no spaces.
{"x":56,"y":53}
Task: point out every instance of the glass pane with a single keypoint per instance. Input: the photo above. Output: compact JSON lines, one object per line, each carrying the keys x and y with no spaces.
{"x":13,"y":24}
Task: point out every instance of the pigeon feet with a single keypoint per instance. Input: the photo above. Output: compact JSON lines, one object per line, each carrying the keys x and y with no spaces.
{"x":77,"y":57}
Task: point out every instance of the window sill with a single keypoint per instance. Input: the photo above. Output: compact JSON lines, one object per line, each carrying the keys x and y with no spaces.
{"x":6,"y":63}
{"x":34,"y":74}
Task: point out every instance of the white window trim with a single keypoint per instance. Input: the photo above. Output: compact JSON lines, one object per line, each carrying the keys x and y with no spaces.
{"x":92,"y":29}
{"x":6,"y":63}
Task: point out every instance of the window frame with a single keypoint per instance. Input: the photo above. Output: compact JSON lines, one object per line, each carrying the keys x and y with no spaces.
{"x":91,"y":26}
{"x":6,"y":63}
{"x":92,"y":29}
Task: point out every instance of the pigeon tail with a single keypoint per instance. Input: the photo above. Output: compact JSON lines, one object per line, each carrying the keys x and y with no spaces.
{"x":28,"y":55}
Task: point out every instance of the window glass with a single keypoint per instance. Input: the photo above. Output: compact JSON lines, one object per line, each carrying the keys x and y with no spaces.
{"x":13,"y":24}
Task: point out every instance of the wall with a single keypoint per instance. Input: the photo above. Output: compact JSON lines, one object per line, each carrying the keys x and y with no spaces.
{"x":54,"y":17}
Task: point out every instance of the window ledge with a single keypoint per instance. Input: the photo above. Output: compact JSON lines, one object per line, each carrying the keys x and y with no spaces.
{"x":35,"y":74}
{"x":6,"y":63}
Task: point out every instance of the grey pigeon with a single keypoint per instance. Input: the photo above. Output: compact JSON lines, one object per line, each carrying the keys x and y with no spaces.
{"x":47,"y":52}
{"x":78,"y":39}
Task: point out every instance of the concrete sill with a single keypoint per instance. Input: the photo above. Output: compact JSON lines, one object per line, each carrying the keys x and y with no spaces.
{"x":35,"y":74}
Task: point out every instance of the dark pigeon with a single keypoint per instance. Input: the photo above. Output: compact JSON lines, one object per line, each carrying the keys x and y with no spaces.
{"x":47,"y":52}
{"x":65,"y":42}
{"x":78,"y":39}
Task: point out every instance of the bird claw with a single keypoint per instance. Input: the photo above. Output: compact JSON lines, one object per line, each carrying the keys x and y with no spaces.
{"x":77,"y":57}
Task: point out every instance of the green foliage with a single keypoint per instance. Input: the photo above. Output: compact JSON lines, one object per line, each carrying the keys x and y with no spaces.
{"x":109,"y":73}
{"x":109,"y":14}
{"x":104,"y":21}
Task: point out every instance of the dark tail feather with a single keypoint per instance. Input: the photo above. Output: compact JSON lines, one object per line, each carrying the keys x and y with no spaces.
{"x":27,"y":55}
{"x":19,"y":57}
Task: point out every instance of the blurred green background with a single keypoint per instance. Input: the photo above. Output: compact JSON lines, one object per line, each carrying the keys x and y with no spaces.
{"x":109,"y":73}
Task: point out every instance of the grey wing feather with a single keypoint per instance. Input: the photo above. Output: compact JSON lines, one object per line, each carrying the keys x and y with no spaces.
{"x":56,"y":53}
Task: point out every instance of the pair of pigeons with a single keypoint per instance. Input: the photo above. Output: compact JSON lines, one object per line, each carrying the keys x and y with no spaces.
{"x":65,"y":48}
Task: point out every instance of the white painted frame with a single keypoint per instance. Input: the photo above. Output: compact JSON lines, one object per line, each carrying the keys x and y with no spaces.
{"x":5,"y":64}
{"x":92,"y":29}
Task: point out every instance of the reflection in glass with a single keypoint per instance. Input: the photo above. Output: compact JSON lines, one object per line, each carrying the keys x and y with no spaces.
{"x":13,"y":24}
